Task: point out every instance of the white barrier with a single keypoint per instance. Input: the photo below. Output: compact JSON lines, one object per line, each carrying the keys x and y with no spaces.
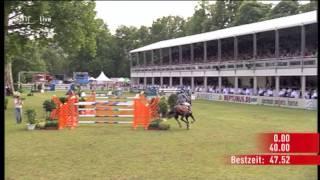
{"x":310,"y":104}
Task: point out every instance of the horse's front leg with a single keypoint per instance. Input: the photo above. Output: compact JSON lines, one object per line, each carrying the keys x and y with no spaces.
{"x":176,"y":118}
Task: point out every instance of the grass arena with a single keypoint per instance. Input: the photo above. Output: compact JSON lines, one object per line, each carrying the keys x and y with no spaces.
{"x":116,"y":151}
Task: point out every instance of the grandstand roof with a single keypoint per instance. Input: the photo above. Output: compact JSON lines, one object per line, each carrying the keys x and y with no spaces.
{"x":279,"y":23}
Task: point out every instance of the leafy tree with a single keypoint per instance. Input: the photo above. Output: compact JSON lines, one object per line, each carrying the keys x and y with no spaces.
{"x":29,"y":59}
{"x":196,"y":24}
{"x":72,"y":26}
{"x":284,"y":8}
{"x":232,"y":8}
{"x":250,"y":12}
{"x":167,"y":27}
{"x":313,"y":5}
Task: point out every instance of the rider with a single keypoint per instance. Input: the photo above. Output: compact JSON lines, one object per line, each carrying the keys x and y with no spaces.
{"x":182,"y":99}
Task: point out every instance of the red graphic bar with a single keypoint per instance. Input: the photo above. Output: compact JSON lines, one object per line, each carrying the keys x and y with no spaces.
{"x":289,"y":142}
{"x":274,"y":160}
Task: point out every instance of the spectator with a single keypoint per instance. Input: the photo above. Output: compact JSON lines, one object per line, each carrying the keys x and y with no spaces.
{"x":261,"y":92}
{"x":282,"y":93}
{"x":248,"y":91}
{"x":314,"y":95}
{"x":270,"y":92}
{"x":18,"y":107}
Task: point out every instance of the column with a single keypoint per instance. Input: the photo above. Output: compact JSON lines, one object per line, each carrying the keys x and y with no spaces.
{"x":138,"y":59}
{"x":161,"y":81}
{"x":303,"y":85}
{"x":145,"y":81}
{"x":170,"y":55}
{"x":254,"y":46}
{"x":152,"y":58}
{"x":181,"y":81}
{"x":170,"y":81}
{"x":130,"y":59}
{"x":220,"y":84}
{"x":303,"y":39}
{"x":276,"y":43}
{"x":160,"y":57}
{"x":235,"y":84}
{"x":219,"y":50}
{"x":152,"y":81}
{"x":144,"y":58}
{"x":277,"y":86}
{"x":255,"y":91}
{"x":192,"y":84}
{"x":205,"y":58}
{"x":180,"y":54}
{"x":205,"y":83}
{"x":235,"y":48}
{"x":192,"y":53}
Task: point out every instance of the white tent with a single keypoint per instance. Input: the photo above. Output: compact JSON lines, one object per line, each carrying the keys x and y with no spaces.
{"x":92,"y":79}
{"x":102,"y":78}
{"x":121,"y":80}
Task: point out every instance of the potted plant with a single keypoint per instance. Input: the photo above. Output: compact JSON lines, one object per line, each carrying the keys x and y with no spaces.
{"x":31,"y":118}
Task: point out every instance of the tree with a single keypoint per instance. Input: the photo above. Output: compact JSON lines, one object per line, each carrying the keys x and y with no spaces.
{"x":250,"y":12}
{"x":232,"y":7}
{"x":284,"y":8}
{"x":196,"y":24}
{"x":72,"y":24}
{"x":167,"y":27}
{"x":313,"y":5}
{"x":29,"y":59}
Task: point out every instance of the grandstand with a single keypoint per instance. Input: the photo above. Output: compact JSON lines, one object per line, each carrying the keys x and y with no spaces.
{"x":275,"y":57}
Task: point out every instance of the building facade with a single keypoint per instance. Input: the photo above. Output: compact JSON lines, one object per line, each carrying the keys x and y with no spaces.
{"x":277,"y":53}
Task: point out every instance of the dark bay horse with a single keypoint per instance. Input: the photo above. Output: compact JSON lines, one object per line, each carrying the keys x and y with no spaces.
{"x":184,"y":112}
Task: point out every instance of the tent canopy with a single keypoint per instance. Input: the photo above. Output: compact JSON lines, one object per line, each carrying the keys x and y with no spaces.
{"x":121,"y":80}
{"x":103,"y":78}
{"x":92,"y":79}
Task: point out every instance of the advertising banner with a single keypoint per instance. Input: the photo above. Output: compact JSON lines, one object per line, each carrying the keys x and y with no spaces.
{"x":310,"y":104}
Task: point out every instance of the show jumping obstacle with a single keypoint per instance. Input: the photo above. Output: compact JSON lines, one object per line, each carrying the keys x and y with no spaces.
{"x":140,"y":109}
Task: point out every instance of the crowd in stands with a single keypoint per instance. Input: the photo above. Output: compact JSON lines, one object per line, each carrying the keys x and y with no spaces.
{"x":267,"y":92}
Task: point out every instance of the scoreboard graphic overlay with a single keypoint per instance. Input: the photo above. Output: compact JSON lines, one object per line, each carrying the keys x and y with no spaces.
{"x":283,"y":149}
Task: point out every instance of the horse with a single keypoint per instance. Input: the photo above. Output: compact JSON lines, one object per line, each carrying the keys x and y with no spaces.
{"x":184,"y":112}
{"x":182,"y":109}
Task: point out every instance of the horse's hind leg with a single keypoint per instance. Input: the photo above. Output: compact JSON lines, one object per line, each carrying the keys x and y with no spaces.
{"x":186,"y":121}
{"x":193,"y":120}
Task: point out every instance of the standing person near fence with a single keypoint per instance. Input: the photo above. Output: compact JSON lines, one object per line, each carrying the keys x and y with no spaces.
{"x":18,"y":107}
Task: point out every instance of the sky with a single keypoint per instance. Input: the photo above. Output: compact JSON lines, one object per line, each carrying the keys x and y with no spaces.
{"x":138,"y":13}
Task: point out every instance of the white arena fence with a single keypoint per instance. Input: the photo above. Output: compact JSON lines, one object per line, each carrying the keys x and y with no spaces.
{"x":310,"y":104}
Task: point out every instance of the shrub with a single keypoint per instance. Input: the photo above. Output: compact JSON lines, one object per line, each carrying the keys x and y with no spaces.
{"x":172,"y":100}
{"x":159,"y":124}
{"x":53,"y":123}
{"x":20,"y":90}
{"x":41,"y":125}
{"x":164,"y":126}
{"x":31,"y":116}
{"x":63,"y":99}
{"x":48,"y":105}
{"x":163,"y":106}
{"x":82,"y":99}
{"x":5,"y":103}
{"x":30,"y":94}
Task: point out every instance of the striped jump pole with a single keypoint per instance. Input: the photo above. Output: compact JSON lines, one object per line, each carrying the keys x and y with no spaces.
{"x":142,"y":111}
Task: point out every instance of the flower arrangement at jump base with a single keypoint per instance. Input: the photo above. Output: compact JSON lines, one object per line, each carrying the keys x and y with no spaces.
{"x":161,"y":123}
